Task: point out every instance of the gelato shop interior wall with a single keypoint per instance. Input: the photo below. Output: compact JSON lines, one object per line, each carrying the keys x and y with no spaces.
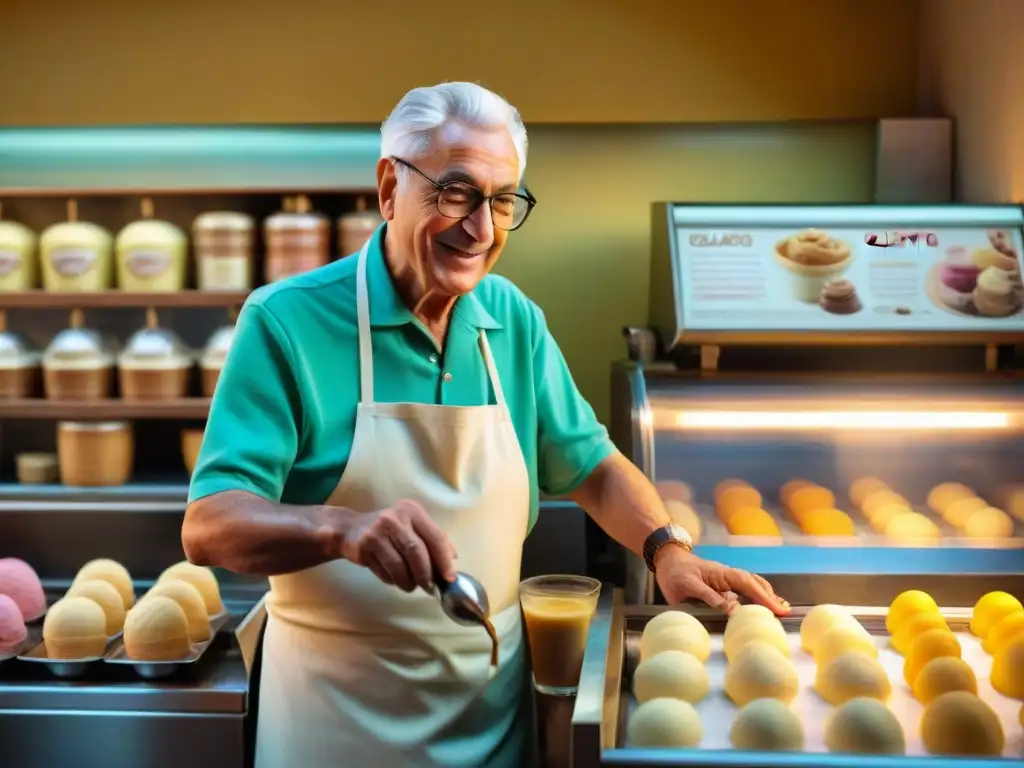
{"x":667,"y":99}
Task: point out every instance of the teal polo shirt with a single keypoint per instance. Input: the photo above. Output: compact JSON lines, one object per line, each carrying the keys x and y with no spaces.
{"x":283,"y":416}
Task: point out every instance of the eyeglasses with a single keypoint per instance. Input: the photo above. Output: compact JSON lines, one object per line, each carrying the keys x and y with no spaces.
{"x":459,"y":200}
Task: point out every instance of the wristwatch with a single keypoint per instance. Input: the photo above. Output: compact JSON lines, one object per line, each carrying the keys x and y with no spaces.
{"x":674,"y":534}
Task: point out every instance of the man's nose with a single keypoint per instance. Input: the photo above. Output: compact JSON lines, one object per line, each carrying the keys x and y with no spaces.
{"x":480,"y":225}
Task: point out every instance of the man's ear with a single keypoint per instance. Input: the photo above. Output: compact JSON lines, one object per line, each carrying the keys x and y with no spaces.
{"x":387,"y":187}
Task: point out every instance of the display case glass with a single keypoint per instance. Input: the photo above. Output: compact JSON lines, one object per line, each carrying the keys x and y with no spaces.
{"x":832,"y":389}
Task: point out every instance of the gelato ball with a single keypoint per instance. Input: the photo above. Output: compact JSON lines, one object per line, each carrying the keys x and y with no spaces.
{"x":674,"y":490}
{"x":13,"y":631}
{"x":675,"y":617}
{"x":665,"y":723}
{"x":675,"y":637}
{"x":863,"y":487}
{"x":20,"y":583}
{"x":959,"y":723}
{"x":942,"y":675}
{"x":202,"y":579}
{"x":929,"y":645}
{"x":1008,"y":670}
{"x":760,"y":671}
{"x":1005,"y":630}
{"x":843,"y":639}
{"x":767,"y":725}
{"x":906,"y":605}
{"x":818,"y":621}
{"x":989,"y":523}
{"x":770,"y":632}
{"x":864,"y":726}
{"x":106,"y":597}
{"x":191,"y":602}
{"x":671,"y":675}
{"x":917,"y":624}
{"x":990,"y":610}
{"x":852,"y":675}
{"x":75,"y":628}
{"x":113,"y":572}
{"x":744,"y":615}
{"x":157,"y":630}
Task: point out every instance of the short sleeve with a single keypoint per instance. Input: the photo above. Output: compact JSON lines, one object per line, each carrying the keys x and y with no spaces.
{"x":252,"y":432}
{"x":571,"y":442}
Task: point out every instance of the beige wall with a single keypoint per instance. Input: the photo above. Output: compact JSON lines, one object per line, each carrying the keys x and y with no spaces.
{"x":972,"y":69}
{"x":77,"y":62}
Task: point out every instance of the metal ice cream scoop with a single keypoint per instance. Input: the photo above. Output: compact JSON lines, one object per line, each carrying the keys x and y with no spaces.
{"x":464,"y":600}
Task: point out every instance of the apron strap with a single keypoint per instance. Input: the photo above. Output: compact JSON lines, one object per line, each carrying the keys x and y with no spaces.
{"x":363,"y":321}
{"x":492,"y":371}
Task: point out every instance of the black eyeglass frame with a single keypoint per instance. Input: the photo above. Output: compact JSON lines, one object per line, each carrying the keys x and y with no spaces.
{"x":525,"y":195}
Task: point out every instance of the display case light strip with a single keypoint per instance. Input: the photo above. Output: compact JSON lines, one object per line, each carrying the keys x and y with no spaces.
{"x":849,"y":420}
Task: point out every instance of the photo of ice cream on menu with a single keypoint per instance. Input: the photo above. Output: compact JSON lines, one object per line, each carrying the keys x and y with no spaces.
{"x":980,"y":281}
{"x":813,"y":259}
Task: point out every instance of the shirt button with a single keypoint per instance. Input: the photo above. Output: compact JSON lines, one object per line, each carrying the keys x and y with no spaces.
{"x":447,"y":377}
{"x":433,"y":358}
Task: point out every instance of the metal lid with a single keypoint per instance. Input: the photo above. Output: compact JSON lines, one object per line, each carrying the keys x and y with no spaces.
{"x":216,"y":350}
{"x":154,"y":348}
{"x":14,"y":353}
{"x":222,"y":220}
{"x":78,"y":348}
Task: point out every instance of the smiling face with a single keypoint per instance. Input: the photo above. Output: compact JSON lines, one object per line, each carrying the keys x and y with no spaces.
{"x":447,"y":257}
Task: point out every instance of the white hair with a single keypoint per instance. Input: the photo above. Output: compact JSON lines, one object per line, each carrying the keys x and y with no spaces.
{"x":410,"y":127}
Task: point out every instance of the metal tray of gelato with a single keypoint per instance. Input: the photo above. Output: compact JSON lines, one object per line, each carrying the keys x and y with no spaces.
{"x":158,"y":670}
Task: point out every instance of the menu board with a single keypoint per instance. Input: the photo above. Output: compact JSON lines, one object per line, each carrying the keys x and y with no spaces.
{"x":774,"y":278}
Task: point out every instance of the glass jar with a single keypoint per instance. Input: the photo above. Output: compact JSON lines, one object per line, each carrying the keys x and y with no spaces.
{"x":356,"y":228}
{"x":154,"y":365}
{"x":297,"y":241}
{"x":223,"y":251}
{"x":215,"y":353}
{"x":151,"y":255}
{"x":95,"y":453}
{"x":76,"y":255}
{"x":18,"y":259}
{"x":19,"y":367}
{"x":78,"y":364}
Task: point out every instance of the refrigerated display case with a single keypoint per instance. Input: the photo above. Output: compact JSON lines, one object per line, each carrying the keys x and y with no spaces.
{"x":833,"y":397}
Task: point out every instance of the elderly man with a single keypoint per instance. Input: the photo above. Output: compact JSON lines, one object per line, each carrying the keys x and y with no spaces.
{"x":389,"y":418}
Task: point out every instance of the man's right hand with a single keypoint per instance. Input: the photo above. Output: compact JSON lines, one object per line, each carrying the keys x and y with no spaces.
{"x":402,"y":545}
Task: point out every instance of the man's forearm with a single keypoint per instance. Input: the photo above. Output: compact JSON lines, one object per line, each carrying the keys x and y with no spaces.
{"x":247,"y":534}
{"x":622,"y":501}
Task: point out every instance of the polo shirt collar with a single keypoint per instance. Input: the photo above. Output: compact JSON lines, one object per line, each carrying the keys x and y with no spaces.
{"x":387,"y":308}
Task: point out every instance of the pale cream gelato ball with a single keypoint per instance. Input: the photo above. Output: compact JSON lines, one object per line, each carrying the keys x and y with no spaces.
{"x":665,"y":723}
{"x":767,"y":725}
{"x":671,"y":675}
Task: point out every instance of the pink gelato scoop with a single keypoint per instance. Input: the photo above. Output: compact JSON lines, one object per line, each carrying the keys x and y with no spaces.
{"x":20,"y":583}
{"x":12,"y":627}
{"x":961,"y":278}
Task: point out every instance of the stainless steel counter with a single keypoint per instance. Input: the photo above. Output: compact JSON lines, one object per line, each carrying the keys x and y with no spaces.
{"x":112,"y":719}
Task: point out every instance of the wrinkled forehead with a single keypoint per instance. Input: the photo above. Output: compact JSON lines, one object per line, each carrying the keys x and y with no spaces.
{"x":483,"y":157}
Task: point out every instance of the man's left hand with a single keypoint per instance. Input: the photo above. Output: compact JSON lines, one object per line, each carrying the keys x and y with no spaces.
{"x":684,"y":576}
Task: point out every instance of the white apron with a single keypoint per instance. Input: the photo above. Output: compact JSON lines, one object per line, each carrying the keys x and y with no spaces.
{"x":358,"y":673}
